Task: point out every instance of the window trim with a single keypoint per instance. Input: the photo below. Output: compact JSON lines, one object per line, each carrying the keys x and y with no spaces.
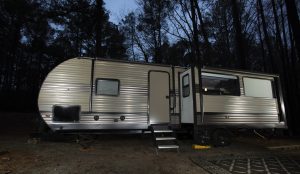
{"x":186,"y":86}
{"x":219,"y":75}
{"x":108,"y":79}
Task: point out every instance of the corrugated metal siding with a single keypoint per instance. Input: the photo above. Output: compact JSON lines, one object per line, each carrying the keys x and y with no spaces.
{"x":242,"y":104}
{"x":133,"y":78}
{"x":105,"y":118}
{"x":232,"y":109}
{"x":241,"y":118}
{"x":67,"y":84}
{"x":220,"y":109}
{"x":133,"y":97}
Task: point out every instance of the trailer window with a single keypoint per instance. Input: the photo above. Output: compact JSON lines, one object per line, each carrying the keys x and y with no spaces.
{"x":220,"y":84}
{"x":258,"y":87}
{"x":185,"y":86}
{"x":107,"y":87}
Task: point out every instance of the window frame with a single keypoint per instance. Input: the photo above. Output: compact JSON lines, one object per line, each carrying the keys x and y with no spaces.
{"x":107,"y":79}
{"x":237,"y":78}
{"x":186,"y":86}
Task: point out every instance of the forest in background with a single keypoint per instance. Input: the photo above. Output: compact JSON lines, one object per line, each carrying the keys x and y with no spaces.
{"x":253,"y":35}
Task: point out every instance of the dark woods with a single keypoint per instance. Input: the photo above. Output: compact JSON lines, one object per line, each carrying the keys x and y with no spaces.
{"x":38,"y":35}
{"x":256,"y":35}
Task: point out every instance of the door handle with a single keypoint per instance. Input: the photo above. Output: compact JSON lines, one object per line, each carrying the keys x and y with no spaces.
{"x":167,"y":97}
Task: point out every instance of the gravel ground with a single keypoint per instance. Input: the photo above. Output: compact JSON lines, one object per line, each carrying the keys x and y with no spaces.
{"x":118,"y":153}
{"x":108,"y":154}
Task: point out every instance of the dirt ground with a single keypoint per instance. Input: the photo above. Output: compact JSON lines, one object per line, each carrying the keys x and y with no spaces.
{"x":111,"y":153}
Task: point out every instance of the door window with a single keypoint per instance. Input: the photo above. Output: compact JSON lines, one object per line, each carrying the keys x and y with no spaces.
{"x":185,"y":86}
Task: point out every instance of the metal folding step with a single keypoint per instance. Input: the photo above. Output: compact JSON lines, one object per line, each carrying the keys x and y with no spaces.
{"x":167,"y":146}
{"x":164,"y":137}
{"x":163,"y":131}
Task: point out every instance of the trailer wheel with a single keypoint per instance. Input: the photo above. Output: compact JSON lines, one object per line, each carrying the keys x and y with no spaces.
{"x":221,"y":138}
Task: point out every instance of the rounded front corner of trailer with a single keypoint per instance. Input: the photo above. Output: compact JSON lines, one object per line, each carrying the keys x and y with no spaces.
{"x":68,"y":84}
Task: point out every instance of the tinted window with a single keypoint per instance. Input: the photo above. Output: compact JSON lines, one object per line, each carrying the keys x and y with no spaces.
{"x":220,"y":84}
{"x":107,"y":87}
{"x":185,"y":86}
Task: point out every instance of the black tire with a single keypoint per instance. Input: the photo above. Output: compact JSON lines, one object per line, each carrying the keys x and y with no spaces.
{"x":204,"y":137}
{"x":221,"y":138}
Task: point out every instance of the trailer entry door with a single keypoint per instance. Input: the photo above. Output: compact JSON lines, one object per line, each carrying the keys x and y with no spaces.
{"x":159,"y":106}
{"x":186,"y":96}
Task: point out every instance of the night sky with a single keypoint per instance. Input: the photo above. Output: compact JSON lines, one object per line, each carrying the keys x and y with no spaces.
{"x":119,"y":8}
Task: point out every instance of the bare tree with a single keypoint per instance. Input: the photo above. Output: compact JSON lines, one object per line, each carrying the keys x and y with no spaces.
{"x":152,"y":20}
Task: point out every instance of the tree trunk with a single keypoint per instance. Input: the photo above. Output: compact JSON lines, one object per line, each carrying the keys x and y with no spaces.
{"x":293,"y":97}
{"x":261,"y":43}
{"x":140,"y":46}
{"x":278,"y":38}
{"x":99,"y":27}
{"x":155,"y":57}
{"x":284,"y":33}
{"x":198,"y":62}
{"x":267,"y":40}
{"x":207,"y":46}
{"x":229,"y":54}
{"x":240,"y":48}
{"x":159,"y":40}
{"x":293,"y":19}
{"x":132,"y":45}
{"x":293,"y":63}
{"x":195,"y":48}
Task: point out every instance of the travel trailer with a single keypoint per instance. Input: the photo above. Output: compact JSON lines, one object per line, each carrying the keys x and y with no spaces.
{"x":99,"y":94}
